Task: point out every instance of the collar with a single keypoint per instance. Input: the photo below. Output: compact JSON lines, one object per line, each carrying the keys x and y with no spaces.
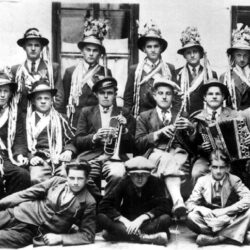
{"x":87,"y":65}
{"x":210,"y":111}
{"x":42,"y":115}
{"x":151,"y":64}
{"x":221,"y":181}
{"x":109,"y":109}
{"x":245,"y":70}
{"x":168,"y":113}
{"x":37,"y":62}
{"x":197,"y":68}
{"x":4,"y":107}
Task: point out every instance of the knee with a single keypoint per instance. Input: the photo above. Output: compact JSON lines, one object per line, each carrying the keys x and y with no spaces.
{"x":116,"y":171}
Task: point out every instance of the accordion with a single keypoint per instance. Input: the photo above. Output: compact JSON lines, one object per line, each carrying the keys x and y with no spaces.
{"x":229,"y":135}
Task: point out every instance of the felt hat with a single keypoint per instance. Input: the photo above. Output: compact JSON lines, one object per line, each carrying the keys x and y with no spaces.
{"x":32,"y":33}
{"x":150,"y":31}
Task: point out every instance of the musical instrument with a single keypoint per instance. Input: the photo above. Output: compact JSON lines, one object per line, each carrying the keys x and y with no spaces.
{"x":112,"y":143}
{"x":171,"y":140}
{"x":229,"y":135}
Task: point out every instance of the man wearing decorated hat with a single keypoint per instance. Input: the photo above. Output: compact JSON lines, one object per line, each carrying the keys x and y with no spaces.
{"x":13,"y":146}
{"x":192,"y":76}
{"x":214,"y":93}
{"x":49,"y":135}
{"x":162,"y":135}
{"x":237,"y":77}
{"x":137,"y":209}
{"x":79,"y":80}
{"x":98,"y":129}
{"x":138,"y":91}
{"x":37,"y":65}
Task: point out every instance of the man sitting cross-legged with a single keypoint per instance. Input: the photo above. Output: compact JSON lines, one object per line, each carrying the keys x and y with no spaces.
{"x":218,"y":208}
{"x":50,"y":208}
{"x":136,"y":210}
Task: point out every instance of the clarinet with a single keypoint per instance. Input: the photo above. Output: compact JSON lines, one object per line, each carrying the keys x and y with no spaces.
{"x":171,"y":140}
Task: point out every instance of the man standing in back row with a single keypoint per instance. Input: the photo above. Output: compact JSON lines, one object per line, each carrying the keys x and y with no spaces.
{"x":139,"y":87}
{"x":78,"y":80}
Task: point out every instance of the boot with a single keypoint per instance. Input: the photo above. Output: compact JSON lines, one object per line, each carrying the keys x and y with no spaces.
{"x":157,"y":239}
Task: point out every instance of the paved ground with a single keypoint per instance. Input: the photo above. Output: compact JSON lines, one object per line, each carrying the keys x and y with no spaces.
{"x":181,"y":239}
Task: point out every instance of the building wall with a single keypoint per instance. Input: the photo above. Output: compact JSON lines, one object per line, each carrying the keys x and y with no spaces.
{"x":212,"y":18}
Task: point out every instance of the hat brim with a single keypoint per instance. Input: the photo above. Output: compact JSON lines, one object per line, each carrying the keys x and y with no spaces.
{"x":113,"y":84}
{"x":172,"y":85}
{"x":44,"y":41}
{"x":81,"y":44}
{"x":13,"y":86}
{"x":232,"y":49}
{"x":139,"y":171}
{"x":188,"y":46}
{"x":142,"y":40}
{"x":223,"y":88}
{"x":52,"y":91}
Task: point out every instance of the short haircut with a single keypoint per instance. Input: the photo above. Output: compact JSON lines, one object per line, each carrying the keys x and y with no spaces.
{"x":83,"y":165}
{"x":219,"y":154}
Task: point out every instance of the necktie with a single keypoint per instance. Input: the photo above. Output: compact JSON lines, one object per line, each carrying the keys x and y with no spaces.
{"x":105,"y":110}
{"x":33,"y":65}
{"x":194,"y":73}
{"x":165,"y":121}
{"x":213,"y":118}
{"x":217,"y":191}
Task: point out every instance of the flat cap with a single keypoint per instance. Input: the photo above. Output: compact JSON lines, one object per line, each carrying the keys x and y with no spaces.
{"x":139,"y":164}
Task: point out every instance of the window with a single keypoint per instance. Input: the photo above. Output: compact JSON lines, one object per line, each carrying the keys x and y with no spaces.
{"x":120,"y":42}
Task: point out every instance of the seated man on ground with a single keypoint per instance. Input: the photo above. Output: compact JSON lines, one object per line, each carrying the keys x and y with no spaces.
{"x":137,"y":209}
{"x":50,"y":208}
{"x":49,"y":135}
{"x":218,"y":208}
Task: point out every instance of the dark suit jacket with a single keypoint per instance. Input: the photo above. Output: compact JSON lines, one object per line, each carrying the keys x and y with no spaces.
{"x":146,"y":99}
{"x":39,"y":206}
{"x":242,"y":91}
{"x":57,"y":83}
{"x":147,"y":123}
{"x":125,"y":201}
{"x":20,"y":143}
{"x":87,"y":98}
{"x":234,"y":193}
{"x":88,"y":124}
{"x":196,"y":99}
{"x":67,"y":138}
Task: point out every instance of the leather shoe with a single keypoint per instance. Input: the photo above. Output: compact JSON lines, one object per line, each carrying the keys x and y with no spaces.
{"x":157,"y":239}
{"x":179,"y":209}
{"x":206,"y":240}
{"x":247,"y":238}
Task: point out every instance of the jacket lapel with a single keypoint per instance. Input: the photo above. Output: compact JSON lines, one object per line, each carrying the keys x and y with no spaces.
{"x":226,"y":191}
{"x":155,"y":121}
{"x":208,"y":190}
{"x":96,"y":118}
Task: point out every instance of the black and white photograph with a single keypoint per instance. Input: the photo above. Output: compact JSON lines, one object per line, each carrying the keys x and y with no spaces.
{"x":125,"y":124}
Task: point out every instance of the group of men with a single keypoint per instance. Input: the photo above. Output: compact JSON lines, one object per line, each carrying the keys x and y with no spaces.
{"x":58,"y":139}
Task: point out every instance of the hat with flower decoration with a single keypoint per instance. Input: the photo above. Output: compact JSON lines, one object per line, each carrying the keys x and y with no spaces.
{"x":32,"y":33}
{"x":150,"y":31}
{"x":94,"y":32}
{"x":190,"y":38}
{"x":6,"y":78}
{"x":240,"y":39}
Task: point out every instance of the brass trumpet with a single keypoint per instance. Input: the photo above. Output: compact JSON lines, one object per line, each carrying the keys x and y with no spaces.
{"x":112,"y":143}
